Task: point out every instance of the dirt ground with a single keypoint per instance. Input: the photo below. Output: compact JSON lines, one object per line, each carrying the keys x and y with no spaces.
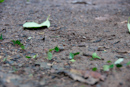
{"x":85,"y":26}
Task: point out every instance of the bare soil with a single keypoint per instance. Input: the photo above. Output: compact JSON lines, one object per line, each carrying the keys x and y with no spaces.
{"x":86,"y":26}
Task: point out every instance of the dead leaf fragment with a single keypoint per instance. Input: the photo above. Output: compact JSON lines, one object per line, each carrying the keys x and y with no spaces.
{"x":84,"y":76}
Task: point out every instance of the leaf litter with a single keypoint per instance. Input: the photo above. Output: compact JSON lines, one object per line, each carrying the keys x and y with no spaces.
{"x":84,"y":76}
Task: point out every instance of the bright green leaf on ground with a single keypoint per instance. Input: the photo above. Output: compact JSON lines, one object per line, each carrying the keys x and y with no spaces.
{"x":36,"y":25}
{"x":71,"y":56}
{"x":109,"y":61}
{"x":57,"y":49}
{"x":29,"y":38}
{"x":34,"y":56}
{"x":28,"y":57}
{"x":128,"y":25}
{"x":76,"y":53}
{"x":118,"y":65}
{"x":1,"y":1}
{"x":5,"y":59}
{"x":16,"y":42}
{"x":72,"y":60}
{"x":119,"y":61}
{"x":128,"y":63}
{"x":1,"y":37}
{"x":111,"y":66}
{"x":94,"y":69}
{"x":51,"y":50}
{"x":94,"y":55}
{"x":22,"y":47}
{"x":49,"y":55}
{"x":106,"y":67}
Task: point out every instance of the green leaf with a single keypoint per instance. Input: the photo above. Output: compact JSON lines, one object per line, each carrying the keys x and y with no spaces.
{"x":111,"y":66}
{"x":5,"y":59}
{"x":22,"y":47}
{"x":49,"y":54}
{"x":36,"y":25}
{"x":51,"y":50}
{"x":1,"y":1}
{"x":29,"y":38}
{"x":94,"y":55}
{"x":106,"y":67}
{"x":119,"y":61}
{"x":72,"y":60}
{"x":71,"y":56}
{"x":76,"y":53}
{"x":94,"y":69}
{"x":128,"y":25}
{"x":128,"y":63}
{"x":1,"y":37}
{"x":34,"y":56}
{"x":118,"y":65}
{"x":28,"y":57}
{"x":57,"y":49}
{"x":109,"y":61}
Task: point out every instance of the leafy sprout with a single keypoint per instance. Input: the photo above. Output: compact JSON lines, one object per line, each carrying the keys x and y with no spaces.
{"x":1,"y":37}
{"x":94,"y":55}
{"x":2,"y":1}
{"x":71,"y":55}
{"x":94,"y":69}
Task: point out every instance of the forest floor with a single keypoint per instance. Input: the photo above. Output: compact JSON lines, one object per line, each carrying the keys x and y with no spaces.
{"x":84,"y":26}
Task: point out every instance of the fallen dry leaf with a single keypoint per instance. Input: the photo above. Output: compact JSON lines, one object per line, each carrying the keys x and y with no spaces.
{"x":84,"y":76}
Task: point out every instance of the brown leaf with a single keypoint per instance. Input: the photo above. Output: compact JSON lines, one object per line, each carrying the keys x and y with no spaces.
{"x":88,"y":77}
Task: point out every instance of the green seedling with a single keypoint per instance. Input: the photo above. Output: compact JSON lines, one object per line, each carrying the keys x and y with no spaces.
{"x":2,"y":1}
{"x":36,"y":25}
{"x":22,"y":47}
{"x":128,"y":63}
{"x":71,"y":55}
{"x":72,"y":60}
{"x":128,"y":25}
{"x":28,"y":57}
{"x":17,"y":42}
{"x":49,"y":55}
{"x":109,"y":61}
{"x":118,"y":65}
{"x":106,"y":67}
{"x":1,"y":37}
{"x":34,"y":56}
{"x":5,"y":59}
{"x":57,"y":49}
{"x":94,"y":55}
{"x":94,"y":69}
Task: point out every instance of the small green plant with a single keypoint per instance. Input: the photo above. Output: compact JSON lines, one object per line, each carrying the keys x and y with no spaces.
{"x":94,"y":69}
{"x":72,"y":60}
{"x":72,"y":55}
{"x":28,"y":57}
{"x":109,"y":61}
{"x":2,"y":1}
{"x":1,"y":37}
{"x":49,"y":53}
{"x":17,"y":42}
{"x":117,"y":64}
{"x":94,"y":55}
{"x":5,"y":59}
